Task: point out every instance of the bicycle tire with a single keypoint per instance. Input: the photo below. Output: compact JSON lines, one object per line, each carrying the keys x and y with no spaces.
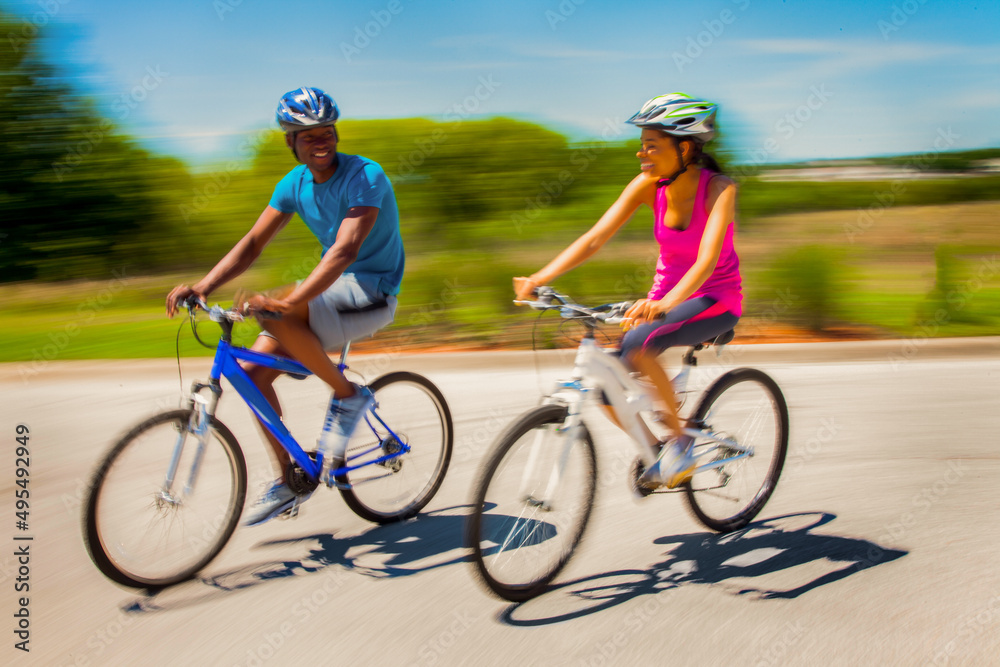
{"x":413,"y":408}
{"x":747,"y":405}
{"x":156,"y":552}
{"x":490,"y":531}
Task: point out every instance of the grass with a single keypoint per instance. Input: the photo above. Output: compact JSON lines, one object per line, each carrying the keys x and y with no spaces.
{"x":462,"y":297}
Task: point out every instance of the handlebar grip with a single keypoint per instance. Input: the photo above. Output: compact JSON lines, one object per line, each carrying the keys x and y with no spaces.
{"x":192,"y":302}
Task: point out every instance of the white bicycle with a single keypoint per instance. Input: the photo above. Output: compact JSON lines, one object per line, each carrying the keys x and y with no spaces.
{"x":535,"y":489}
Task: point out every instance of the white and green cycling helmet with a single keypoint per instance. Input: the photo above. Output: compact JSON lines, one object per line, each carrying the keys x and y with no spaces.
{"x":678,"y":114}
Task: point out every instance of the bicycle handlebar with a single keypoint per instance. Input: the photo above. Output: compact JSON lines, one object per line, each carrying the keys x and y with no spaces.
{"x":550,"y":299}
{"x":217,"y":313}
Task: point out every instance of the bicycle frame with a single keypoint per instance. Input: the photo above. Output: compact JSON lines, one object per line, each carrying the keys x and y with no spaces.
{"x":596,"y":369}
{"x":226,"y":365}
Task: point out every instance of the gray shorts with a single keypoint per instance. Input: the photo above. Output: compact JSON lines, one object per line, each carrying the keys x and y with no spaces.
{"x":351,"y":308}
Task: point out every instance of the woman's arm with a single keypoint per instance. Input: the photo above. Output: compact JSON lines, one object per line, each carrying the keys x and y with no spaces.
{"x":721,"y":204}
{"x":591,"y":241}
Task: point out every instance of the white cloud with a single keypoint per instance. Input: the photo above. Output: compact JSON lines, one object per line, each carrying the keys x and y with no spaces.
{"x":464,"y":41}
{"x":979,"y":99}
{"x":564,"y":52}
{"x":872,"y":52}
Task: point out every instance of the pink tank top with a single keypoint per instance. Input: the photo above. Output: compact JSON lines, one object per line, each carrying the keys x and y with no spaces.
{"x":679,"y":250}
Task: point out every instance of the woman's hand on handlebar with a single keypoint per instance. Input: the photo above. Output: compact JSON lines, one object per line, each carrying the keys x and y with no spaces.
{"x":524,"y":288}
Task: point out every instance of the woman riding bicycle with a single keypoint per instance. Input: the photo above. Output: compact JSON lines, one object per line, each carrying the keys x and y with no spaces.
{"x":697,"y":292}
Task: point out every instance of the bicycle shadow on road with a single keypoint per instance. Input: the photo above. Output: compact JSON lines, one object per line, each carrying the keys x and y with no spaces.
{"x":431,"y":541}
{"x":769,"y":547}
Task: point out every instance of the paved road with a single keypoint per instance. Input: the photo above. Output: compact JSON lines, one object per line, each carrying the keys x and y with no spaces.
{"x":879,"y":546}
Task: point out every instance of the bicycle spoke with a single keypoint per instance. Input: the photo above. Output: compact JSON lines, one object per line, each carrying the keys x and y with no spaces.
{"x":520,"y":539}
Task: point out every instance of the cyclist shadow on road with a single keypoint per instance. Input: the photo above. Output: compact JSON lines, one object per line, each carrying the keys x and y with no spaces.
{"x":431,"y":541}
{"x":763,"y":548}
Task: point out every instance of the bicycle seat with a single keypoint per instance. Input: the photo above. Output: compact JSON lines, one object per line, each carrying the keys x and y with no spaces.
{"x":364,"y":309}
{"x":377,"y":305}
{"x":722,"y":339}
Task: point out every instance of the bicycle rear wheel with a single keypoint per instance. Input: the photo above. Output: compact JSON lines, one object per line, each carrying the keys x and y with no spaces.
{"x":531,"y":503}
{"x":145,"y":531}
{"x":409,"y":410}
{"x":744,"y":405}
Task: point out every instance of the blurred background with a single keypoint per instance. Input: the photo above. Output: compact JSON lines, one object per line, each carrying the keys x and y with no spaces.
{"x":138,"y":145}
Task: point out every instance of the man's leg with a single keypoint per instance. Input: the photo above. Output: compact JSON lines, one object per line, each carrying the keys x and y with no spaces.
{"x":264,"y":377}
{"x":303,"y":345}
{"x":277,"y":498}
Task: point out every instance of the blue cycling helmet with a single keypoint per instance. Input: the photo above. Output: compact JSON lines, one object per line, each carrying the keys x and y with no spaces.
{"x":678,"y":114}
{"x":306,"y":108}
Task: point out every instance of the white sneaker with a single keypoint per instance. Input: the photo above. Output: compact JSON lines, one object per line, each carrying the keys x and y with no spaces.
{"x":673,"y":467}
{"x":342,"y":418}
{"x":276,"y":499}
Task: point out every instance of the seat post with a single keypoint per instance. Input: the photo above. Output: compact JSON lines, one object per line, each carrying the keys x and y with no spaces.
{"x":343,"y":356}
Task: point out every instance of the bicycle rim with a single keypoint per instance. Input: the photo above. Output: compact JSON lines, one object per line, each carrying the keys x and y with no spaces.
{"x":532,"y":503}
{"x":747,"y":407}
{"x":142,"y":534}
{"x":410,"y":412}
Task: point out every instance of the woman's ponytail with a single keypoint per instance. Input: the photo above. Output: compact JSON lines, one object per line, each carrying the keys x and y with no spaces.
{"x":702,"y":158}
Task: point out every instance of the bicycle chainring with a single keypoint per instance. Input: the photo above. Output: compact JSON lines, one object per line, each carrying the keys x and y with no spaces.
{"x":297,"y":479}
{"x":634,"y":473}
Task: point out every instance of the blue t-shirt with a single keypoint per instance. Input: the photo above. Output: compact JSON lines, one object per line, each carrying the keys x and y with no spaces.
{"x":358,"y":181}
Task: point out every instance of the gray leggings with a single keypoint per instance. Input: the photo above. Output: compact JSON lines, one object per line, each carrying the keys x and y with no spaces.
{"x":694,"y":321}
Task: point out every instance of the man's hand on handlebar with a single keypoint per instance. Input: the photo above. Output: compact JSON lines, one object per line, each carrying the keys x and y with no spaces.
{"x":179,"y":295}
{"x":261,"y":304}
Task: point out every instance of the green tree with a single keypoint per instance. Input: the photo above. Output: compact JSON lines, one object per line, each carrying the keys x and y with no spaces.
{"x":75,"y":194}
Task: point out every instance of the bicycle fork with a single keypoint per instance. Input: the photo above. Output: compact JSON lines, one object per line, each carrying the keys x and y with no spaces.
{"x":199,"y":423}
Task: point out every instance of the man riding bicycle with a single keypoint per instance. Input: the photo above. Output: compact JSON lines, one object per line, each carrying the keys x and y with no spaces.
{"x":349,"y":204}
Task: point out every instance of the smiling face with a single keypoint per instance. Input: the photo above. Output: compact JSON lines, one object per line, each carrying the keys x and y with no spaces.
{"x":659,"y":154}
{"x":317,"y":149}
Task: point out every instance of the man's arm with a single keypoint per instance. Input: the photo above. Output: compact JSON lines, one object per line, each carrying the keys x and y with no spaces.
{"x":355,"y":228}
{"x":236,"y":261}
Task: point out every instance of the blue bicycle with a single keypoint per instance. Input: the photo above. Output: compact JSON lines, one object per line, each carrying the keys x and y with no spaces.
{"x":168,"y":495}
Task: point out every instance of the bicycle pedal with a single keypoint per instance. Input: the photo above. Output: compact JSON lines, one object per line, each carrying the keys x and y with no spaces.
{"x":332,"y":483}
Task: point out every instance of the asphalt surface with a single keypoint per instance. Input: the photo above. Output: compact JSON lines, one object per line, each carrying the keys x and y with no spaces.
{"x":878,"y":547}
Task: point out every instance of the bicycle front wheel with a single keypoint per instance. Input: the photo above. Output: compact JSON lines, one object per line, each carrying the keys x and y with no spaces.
{"x":744,"y":407}
{"x":409,"y":412}
{"x":161,"y":506}
{"x":531,"y":503}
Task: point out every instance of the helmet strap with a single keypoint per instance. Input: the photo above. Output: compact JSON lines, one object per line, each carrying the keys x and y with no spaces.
{"x":664,"y":182}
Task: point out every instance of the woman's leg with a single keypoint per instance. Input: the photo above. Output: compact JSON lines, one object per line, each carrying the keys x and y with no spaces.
{"x":692,"y":322}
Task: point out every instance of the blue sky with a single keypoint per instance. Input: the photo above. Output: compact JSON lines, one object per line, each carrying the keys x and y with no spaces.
{"x":795,"y":80}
